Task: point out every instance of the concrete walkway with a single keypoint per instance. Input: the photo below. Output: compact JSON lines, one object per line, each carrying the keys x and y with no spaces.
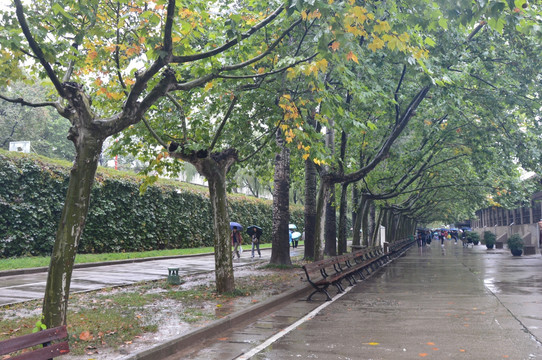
{"x":19,"y":286}
{"x":434,"y":303}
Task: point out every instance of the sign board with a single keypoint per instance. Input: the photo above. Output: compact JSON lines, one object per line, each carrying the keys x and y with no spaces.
{"x":382,"y":235}
{"x":20,"y":146}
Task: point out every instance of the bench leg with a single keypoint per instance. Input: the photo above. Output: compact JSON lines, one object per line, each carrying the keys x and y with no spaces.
{"x":321,"y":290}
{"x":339,"y":286}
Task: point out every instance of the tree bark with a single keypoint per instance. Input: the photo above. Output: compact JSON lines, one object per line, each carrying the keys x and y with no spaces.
{"x":216,"y":178}
{"x":214,"y":167}
{"x":330,"y":228}
{"x":365,"y":220}
{"x":322,"y":200}
{"x":311,"y":180}
{"x":280,"y":251}
{"x":372,"y":221}
{"x":356,"y":225}
{"x":342,"y":248}
{"x":70,"y":229}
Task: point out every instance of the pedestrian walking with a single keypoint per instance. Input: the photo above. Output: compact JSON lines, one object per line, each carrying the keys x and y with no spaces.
{"x":237,"y":241}
{"x":256,"y":243}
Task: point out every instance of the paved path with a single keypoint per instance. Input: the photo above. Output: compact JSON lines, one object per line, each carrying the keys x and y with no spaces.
{"x":434,"y":303}
{"x":24,"y":287}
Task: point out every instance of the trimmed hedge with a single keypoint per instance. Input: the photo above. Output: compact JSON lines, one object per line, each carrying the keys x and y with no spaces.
{"x":169,"y":215}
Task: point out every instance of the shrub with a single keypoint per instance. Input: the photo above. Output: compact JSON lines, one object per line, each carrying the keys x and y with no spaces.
{"x":515,"y":242}
{"x":489,"y":239}
{"x":166,"y":216}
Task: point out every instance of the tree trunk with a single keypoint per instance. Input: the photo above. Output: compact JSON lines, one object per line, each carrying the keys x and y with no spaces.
{"x":356,"y":225}
{"x":355,"y":203}
{"x":70,"y":228}
{"x":215,"y":167}
{"x":224,"y":278}
{"x":280,"y":251}
{"x":372,"y":221}
{"x":365,"y":220}
{"x":342,"y":246}
{"x":311,"y":177}
{"x":330,"y":228}
{"x":322,"y":200}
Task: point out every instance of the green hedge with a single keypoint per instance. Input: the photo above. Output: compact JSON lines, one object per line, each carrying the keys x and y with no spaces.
{"x":169,"y":215}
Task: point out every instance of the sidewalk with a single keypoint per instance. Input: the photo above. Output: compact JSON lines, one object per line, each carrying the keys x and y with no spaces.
{"x":23,"y":285}
{"x":435,"y":303}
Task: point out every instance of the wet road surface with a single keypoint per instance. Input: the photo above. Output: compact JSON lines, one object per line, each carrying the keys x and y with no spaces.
{"x":433,"y":303}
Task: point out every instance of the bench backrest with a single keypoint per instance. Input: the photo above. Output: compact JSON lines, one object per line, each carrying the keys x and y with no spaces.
{"x":37,"y":338}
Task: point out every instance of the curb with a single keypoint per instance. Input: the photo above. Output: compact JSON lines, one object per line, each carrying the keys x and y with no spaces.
{"x":238,"y":318}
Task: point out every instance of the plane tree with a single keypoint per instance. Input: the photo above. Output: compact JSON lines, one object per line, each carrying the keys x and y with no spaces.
{"x":110,"y":63}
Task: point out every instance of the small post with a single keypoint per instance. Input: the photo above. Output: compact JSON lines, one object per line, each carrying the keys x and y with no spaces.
{"x":173,"y":276}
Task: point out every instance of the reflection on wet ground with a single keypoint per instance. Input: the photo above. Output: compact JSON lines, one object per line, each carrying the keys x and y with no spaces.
{"x":437,"y":302}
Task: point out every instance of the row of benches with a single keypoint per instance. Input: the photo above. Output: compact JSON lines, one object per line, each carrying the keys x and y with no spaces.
{"x":333,"y":270}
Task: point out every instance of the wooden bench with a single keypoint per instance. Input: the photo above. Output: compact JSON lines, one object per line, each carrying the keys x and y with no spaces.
{"x":331,"y":271}
{"x":397,"y":248}
{"x":47,"y":338}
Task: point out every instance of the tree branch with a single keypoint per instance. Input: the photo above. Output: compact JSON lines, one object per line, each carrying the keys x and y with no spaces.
{"x":222,"y":124}
{"x":36,"y":48}
{"x":230,"y":43}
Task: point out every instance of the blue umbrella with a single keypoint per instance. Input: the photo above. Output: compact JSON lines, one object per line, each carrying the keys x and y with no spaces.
{"x":296,"y":235}
{"x":239,"y":226}
{"x":292,"y":227}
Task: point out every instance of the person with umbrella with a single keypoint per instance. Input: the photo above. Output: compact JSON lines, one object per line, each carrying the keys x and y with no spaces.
{"x":255,"y":232}
{"x":236,"y":240}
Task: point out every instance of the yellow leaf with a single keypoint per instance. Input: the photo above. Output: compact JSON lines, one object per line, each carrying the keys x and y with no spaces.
{"x":176,"y":38}
{"x":261,"y":70}
{"x":374,"y":343}
{"x":381,"y":26}
{"x":376,"y":44}
{"x":208,"y":86}
{"x":322,"y":65}
{"x":305,"y":156}
{"x":290,"y":73}
{"x":352,"y":56}
{"x":335,"y":45}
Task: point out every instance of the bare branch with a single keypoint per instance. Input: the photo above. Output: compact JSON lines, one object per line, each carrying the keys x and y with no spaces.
{"x":269,"y":72}
{"x":230,"y":43}
{"x":154,"y":134}
{"x":182,"y":115}
{"x":36,"y":48}
{"x":223,"y":123}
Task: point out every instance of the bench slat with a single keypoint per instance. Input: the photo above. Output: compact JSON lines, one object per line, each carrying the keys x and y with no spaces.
{"x":45,"y":353}
{"x":29,"y":340}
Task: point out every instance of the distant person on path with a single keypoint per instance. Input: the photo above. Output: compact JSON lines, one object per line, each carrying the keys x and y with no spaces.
{"x":441,"y":237}
{"x":290,"y":234}
{"x":256,"y":243}
{"x":236,"y":241}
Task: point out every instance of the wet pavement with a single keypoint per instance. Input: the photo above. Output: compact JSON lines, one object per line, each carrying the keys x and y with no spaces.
{"x":23,"y":287}
{"x":434,"y":302}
